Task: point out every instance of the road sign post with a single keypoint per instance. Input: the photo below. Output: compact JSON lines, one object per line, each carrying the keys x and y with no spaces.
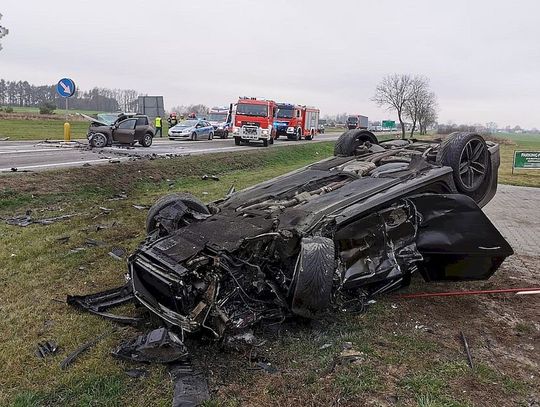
{"x":526,"y":160}
{"x":66,"y":89}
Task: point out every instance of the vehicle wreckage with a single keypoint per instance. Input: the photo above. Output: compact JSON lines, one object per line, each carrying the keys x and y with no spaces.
{"x":327,"y":236}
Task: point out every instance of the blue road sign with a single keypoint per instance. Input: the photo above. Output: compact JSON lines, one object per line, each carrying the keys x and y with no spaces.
{"x":65,"y":87}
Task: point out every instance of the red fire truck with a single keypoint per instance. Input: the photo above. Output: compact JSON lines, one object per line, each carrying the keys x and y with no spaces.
{"x":296,"y":122}
{"x":254,"y":121}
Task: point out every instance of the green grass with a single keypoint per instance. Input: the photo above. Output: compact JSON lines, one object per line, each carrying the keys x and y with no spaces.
{"x":60,"y":112}
{"x":17,"y":129}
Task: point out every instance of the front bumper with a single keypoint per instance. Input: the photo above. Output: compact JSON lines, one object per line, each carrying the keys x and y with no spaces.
{"x":253,"y":133}
{"x":178,"y":135}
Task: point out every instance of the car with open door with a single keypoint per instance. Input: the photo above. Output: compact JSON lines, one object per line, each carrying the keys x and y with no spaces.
{"x":126,"y":129}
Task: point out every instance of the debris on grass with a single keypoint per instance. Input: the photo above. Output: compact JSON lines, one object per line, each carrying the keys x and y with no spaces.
{"x":190,"y":386}
{"x":63,"y":239}
{"x":68,"y":361}
{"x":140,"y":207}
{"x":158,"y":346}
{"x":27,"y":219}
{"x":46,"y":348}
{"x":467,"y":349}
{"x":117,"y":253}
{"x":137,"y":373}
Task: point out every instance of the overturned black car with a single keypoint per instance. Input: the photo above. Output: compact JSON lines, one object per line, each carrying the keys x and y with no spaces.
{"x":328,"y":235}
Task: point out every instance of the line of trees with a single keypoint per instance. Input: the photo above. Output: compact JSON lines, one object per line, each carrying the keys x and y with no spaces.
{"x":411,"y":98}
{"x":24,"y":94}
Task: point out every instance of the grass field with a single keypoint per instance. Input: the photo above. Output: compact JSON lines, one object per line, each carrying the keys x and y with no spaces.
{"x":59,"y":112}
{"x":40,"y":129}
{"x":397,"y":364}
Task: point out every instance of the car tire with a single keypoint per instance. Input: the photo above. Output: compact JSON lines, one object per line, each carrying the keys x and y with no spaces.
{"x":311,"y":287}
{"x":194,"y":136}
{"x":349,"y":141}
{"x":211,"y":135}
{"x":187,"y":199}
{"x":237,"y":141}
{"x":225,"y":135}
{"x":271,"y":140}
{"x":147,"y":140}
{"x":98,"y":140}
{"x":265,"y":142}
{"x":298,"y":134}
{"x":468,"y":156}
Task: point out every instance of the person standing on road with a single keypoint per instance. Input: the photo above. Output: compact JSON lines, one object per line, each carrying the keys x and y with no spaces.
{"x":158,"y":126}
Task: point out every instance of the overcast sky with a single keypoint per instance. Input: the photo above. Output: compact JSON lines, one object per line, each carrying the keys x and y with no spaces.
{"x":481,"y":56}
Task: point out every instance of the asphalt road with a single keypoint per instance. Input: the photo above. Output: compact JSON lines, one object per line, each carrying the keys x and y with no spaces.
{"x":39,"y":156}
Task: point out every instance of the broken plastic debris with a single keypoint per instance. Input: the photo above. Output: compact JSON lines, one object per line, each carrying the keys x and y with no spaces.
{"x":117,"y":253}
{"x":46,"y":348}
{"x":157,"y":346}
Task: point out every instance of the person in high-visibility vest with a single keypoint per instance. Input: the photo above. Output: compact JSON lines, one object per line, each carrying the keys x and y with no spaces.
{"x":158,"y":126}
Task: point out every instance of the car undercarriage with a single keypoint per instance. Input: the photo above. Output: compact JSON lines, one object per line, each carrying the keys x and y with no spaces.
{"x":323,"y":238}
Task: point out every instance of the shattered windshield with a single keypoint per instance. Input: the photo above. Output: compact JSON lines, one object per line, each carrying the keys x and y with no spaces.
{"x":252,"y":110}
{"x":108,"y":118}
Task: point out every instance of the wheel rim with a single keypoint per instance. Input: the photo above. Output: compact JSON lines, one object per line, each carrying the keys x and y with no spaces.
{"x":147,"y":139}
{"x":473,"y":164}
{"x":99,"y":141}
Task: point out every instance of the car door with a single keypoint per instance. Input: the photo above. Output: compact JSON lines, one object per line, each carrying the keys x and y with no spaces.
{"x":207,"y":128}
{"x":199,"y":128}
{"x":125,"y":132}
{"x":141,"y":128}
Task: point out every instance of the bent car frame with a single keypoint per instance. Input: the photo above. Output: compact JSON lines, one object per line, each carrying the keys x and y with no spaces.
{"x":327,"y":236}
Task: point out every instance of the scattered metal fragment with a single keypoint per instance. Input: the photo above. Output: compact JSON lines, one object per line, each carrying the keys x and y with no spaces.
{"x":4,"y":139}
{"x":27,"y":219}
{"x":158,"y":346}
{"x":325,"y":346}
{"x":77,"y":249}
{"x":117,"y":253}
{"x":93,"y":242}
{"x":46,"y":348}
{"x":190,"y":387}
{"x":137,"y":373}
{"x":107,"y":210}
{"x":119,"y":196}
{"x":100,"y":302}
{"x":265,"y":366}
{"x":83,"y":348}
{"x":140,"y":207}
{"x":467,"y":349}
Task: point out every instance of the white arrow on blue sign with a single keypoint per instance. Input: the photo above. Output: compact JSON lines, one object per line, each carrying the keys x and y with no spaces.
{"x":65,"y":87}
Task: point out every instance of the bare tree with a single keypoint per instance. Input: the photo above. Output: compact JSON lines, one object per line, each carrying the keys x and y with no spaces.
{"x":393,"y":92}
{"x":3,"y":31}
{"x":492,"y":127}
{"x":427,"y":111}
{"x":418,"y":94}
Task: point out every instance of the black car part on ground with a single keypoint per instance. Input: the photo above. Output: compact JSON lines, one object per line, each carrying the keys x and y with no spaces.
{"x":100,"y":302}
{"x":157,"y":346}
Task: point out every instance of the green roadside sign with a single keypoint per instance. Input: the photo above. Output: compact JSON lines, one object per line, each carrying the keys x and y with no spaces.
{"x":389,"y":124}
{"x":526,"y":160}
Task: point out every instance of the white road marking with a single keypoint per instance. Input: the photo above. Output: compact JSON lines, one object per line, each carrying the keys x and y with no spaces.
{"x":27,"y":167}
{"x":42,"y":150}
